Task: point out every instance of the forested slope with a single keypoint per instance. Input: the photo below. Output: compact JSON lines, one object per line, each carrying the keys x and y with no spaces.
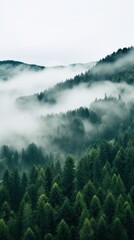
{"x":76,"y":182}
{"x":89,"y":198}
{"x":117,"y":67}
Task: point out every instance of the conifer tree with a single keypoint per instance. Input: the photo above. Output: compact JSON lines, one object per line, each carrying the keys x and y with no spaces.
{"x":29,"y":235}
{"x":88,"y":193}
{"x":68,"y":178}
{"x":119,"y":231}
{"x":95,"y":207}
{"x":86,"y":231}
{"x":48,"y":236}
{"x":48,"y":180}
{"x":109,"y":207}
{"x":79,"y":204}
{"x":55,"y":195}
{"x":102,"y":228}
{"x":63,"y":232}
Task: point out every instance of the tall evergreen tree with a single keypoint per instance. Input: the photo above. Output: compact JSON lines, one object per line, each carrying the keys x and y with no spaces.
{"x":48,"y":180}
{"x":55,"y":195}
{"x":68,"y":178}
{"x":29,"y":235}
{"x":119,"y":231}
{"x":86,"y":232}
{"x":109,"y":207}
{"x":95,"y":207}
{"x":63,"y":232}
{"x":88,"y":193}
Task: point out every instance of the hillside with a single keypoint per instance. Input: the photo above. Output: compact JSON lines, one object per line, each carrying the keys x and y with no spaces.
{"x":67,"y":156}
{"x":117,"y":68}
{"x":10,"y":68}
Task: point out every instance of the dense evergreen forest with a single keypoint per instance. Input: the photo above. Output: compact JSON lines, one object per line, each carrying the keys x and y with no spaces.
{"x":77,"y":183}
{"x":87,"y":198}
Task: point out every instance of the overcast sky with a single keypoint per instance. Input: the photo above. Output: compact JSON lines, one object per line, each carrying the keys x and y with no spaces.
{"x":53,"y":32}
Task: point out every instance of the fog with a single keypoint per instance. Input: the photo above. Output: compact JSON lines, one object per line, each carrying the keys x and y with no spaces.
{"x":123,"y":61}
{"x":19,"y":127}
{"x":29,"y":82}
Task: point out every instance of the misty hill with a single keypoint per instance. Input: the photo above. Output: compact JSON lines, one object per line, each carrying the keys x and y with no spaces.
{"x":117,"y":67}
{"x":69,"y":175}
{"x":10,"y":68}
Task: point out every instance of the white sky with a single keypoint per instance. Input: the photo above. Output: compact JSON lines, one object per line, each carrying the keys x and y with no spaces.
{"x":53,"y":32}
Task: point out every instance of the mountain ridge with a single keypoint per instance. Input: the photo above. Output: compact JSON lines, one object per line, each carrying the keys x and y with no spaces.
{"x":116,"y":67}
{"x":11,"y":68}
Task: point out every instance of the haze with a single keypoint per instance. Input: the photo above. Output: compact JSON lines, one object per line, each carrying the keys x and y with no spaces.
{"x":20,"y":127}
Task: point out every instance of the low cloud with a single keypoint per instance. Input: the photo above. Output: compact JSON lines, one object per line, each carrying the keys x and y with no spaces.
{"x":19,"y":127}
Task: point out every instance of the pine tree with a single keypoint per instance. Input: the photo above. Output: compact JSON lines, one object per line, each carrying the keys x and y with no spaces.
{"x":119,"y":231}
{"x":41,"y":214}
{"x":129,"y":178}
{"x":48,"y":236}
{"x":101,"y":228}
{"x":57,"y":168}
{"x":48,"y":180}
{"x":15,"y":190}
{"x":120,"y":207}
{"x":23,"y":184}
{"x":86,"y":232}
{"x":120,"y":162}
{"x":27,"y":216}
{"x":29,"y":235}
{"x":63,"y":232}
{"x":109,"y":207}
{"x":79,"y":203}
{"x":67,"y":211}
{"x":84,"y":215}
{"x":55,"y":195}
{"x":88,"y":193}
{"x":49,"y":218}
{"x":95,"y":207}
{"x":129,"y":221}
{"x":6,"y":211}
{"x":32,"y":191}
{"x":80,"y":176}
{"x":13,"y":228}
{"x":68,"y":178}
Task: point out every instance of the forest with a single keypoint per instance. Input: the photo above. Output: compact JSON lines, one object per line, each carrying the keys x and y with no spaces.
{"x":87,"y":198}
{"x":77,"y":181}
{"x":117,"y":67}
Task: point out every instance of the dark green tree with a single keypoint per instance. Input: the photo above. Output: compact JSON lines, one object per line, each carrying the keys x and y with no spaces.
{"x":101,"y":228}
{"x":29,"y":235}
{"x":15,"y":190}
{"x":88,"y":193}
{"x":63,"y":232}
{"x":55,"y":195}
{"x":48,"y":180}
{"x":119,"y":231}
{"x":95,"y":207}
{"x":86,"y":231}
{"x":109,"y":207}
{"x":68,"y":178}
{"x":48,"y":236}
